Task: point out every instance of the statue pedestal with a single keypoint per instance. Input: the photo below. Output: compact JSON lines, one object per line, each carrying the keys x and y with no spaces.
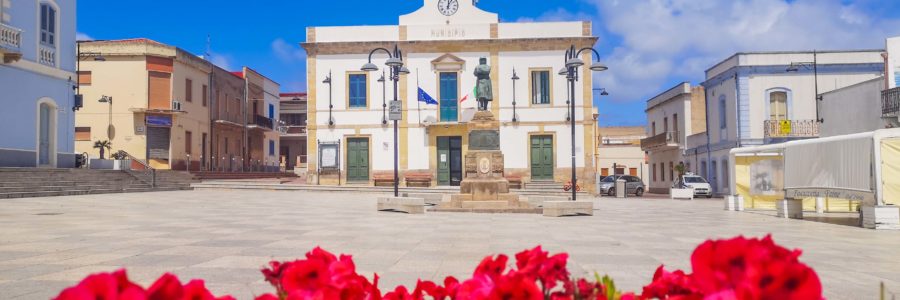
{"x":484,"y":188}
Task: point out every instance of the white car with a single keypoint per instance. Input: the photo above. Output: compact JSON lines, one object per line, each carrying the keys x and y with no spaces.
{"x":701,"y":186}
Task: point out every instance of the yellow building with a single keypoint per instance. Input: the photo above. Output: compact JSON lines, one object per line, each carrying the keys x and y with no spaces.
{"x":146,"y":98}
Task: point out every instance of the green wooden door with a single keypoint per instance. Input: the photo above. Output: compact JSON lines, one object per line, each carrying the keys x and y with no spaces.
{"x":449,"y":158}
{"x":542,"y":157}
{"x":357,"y":159}
{"x":443,"y":159}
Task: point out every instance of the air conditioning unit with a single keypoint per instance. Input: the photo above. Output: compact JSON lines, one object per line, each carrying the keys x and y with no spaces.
{"x":176,"y":106}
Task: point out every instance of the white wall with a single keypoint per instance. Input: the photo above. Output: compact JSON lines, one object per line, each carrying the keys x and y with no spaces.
{"x":852,"y":109}
{"x":892,"y":71}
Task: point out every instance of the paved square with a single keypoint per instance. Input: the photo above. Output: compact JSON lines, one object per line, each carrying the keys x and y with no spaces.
{"x":225,"y":236}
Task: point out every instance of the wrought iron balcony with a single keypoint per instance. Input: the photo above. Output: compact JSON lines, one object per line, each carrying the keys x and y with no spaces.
{"x":261,"y":122}
{"x":890,"y":102}
{"x":10,"y":43}
{"x":791,"y":128}
{"x":662,"y":141}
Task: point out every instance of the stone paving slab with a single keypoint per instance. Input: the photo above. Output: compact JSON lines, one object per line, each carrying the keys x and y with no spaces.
{"x":225,"y":236}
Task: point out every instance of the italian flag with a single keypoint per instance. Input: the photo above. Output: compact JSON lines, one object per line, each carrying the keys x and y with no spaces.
{"x":474,"y":94}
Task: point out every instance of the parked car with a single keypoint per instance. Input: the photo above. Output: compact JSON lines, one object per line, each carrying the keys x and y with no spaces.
{"x":699,"y":184}
{"x":633,"y":185}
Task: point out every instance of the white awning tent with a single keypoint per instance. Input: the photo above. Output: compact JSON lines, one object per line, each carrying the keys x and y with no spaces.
{"x":863,"y":167}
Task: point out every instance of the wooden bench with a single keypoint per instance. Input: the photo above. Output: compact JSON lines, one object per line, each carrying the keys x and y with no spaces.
{"x":383,"y":179}
{"x":515,"y":182}
{"x":418,"y":179}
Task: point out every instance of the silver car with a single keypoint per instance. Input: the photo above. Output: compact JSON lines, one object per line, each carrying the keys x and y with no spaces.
{"x":633,"y":185}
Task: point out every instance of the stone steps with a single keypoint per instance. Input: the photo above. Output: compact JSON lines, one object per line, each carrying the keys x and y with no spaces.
{"x":87,"y":192}
{"x":33,"y":182}
{"x":248,"y":185}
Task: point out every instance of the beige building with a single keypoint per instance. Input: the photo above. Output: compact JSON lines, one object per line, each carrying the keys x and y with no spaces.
{"x":672,"y":116}
{"x":227,"y":112}
{"x":262,"y":112}
{"x":146,"y":98}
{"x":293,"y":138}
{"x":619,"y":152}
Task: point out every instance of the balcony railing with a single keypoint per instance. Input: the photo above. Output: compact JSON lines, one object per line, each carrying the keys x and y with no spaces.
{"x":668,"y":139}
{"x":47,"y":55}
{"x":262,"y":121}
{"x":791,"y":128}
{"x":10,"y":38}
{"x":890,"y":102}
{"x":291,"y":129}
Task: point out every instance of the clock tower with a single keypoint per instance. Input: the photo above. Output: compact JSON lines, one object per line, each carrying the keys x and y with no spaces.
{"x":448,"y":12}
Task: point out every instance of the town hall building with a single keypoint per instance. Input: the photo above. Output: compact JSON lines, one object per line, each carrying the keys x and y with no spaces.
{"x":350,"y":136}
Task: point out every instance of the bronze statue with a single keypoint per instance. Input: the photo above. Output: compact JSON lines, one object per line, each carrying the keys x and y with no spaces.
{"x":483,"y":90}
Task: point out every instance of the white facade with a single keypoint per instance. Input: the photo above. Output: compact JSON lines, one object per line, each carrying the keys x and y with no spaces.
{"x":858,"y":107}
{"x":434,"y":44}
{"x":37,"y":76}
{"x":769,"y":97}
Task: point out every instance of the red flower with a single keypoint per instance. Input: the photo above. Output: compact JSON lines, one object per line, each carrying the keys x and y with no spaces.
{"x":267,"y":297}
{"x":492,"y":267}
{"x":516,"y":286}
{"x":104,"y":286}
{"x":753,"y":269}
{"x":674,"y":285}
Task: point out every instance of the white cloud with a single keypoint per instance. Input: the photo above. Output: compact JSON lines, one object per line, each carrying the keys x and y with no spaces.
{"x":81,"y":36}
{"x":223,"y":61}
{"x":287,"y":52}
{"x":668,"y":41}
{"x":293,"y":57}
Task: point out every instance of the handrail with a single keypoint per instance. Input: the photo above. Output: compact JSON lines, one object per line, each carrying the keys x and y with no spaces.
{"x":149,"y":174}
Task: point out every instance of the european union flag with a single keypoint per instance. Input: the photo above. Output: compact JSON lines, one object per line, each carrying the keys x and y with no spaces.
{"x":424,"y":97}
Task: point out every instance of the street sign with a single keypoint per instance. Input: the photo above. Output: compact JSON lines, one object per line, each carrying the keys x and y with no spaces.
{"x":785,"y":127}
{"x":395,"y":111}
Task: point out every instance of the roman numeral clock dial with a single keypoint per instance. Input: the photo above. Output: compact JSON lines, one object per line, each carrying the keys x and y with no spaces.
{"x":448,"y":7}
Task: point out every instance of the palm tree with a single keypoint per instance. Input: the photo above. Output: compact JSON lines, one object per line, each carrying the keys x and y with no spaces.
{"x":103,"y":146}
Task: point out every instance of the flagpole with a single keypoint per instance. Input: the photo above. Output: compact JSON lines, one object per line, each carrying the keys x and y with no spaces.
{"x":418,"y":106}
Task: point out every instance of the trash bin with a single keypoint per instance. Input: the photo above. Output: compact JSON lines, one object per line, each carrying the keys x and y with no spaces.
{"x":620,"y":188}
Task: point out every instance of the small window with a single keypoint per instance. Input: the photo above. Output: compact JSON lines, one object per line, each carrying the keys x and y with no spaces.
{"x":83,"y":133}
{"x":357,"y":91}
{"x":271,"y":148}
{"x":662,"y":171}
{"x":271,"y":111}
{"x":48,"y":25}
{"x":652,"y":128}
{"x":84,"y":77}
{"x":722,"y":113}
{"x":205,"y":93}
{"x":188,"y":139}
{"x":540,"y":87}
{"x":654,"y":172}
{"x":188,"y":93}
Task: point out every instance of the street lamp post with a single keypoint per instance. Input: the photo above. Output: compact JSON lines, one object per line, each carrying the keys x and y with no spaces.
{"x":383,"y":99}
{"x":330,"y":106}
{"x":795,"y":67}
{"x":395,"y":62}
{"x":514,"y":79}
{"x":572,"y":63}
{"x":81,"y":55}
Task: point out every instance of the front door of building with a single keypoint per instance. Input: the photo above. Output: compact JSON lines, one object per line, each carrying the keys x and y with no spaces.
{"x":44,"y":136}
{"x":357,"y":159}
{"x":541,"y":157}
{"x":449,"y":96}
{"x":449,"y":156}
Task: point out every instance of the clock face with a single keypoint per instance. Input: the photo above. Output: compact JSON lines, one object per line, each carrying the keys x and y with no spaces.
{"x":448,"y":7}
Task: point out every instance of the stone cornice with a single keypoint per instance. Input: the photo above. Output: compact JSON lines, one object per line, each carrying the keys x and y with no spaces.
{"x":482,"y":45}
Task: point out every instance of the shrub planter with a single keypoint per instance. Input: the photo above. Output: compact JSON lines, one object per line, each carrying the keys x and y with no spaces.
{"x":685,"y":194}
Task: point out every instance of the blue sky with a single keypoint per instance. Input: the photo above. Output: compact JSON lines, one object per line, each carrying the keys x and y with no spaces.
{"x":650,"y":45}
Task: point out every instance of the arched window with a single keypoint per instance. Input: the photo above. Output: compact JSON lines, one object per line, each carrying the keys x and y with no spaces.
{"x":48,"y":24}
{"x":778,"y":105}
